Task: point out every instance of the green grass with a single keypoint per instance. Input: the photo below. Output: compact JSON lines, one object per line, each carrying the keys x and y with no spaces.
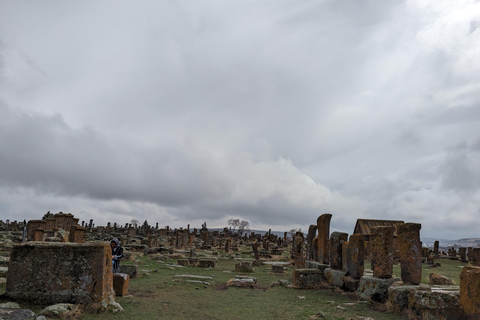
{"x":156,"y":295}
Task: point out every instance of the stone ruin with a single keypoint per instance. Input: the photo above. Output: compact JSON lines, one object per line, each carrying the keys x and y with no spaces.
{"x":334,"y":260}
{"x":321,"y":260}
{"x":49,"y":273}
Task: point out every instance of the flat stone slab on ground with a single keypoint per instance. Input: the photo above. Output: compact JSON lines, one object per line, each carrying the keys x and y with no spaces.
{"x":193,"y":276}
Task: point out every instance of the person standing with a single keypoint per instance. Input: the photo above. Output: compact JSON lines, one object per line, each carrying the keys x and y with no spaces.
{"x":117,"y":254}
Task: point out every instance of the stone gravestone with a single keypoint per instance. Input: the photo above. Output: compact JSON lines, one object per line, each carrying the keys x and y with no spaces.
{"x":435,"y":248}
{"x":312,"y":231}
{"x":462,"y":251}
{"x":355,"y":264}
{"x":323,"y":227}
{"x":381,"y":244}
{"x":410,"y":251}
{"x":228,"y":245}
{"x":336,"y":241}
{"x":298,"y":250}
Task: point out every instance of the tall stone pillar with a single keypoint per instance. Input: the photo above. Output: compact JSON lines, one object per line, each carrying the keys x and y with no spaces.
{"x":381,"y":251}
{"x":435,"y":247}
{"x":336,"y":241}
{"x":323,"y":225}
{"x":355,"y":256}
{"x":410,"y":251}
{"x":312,"y":231}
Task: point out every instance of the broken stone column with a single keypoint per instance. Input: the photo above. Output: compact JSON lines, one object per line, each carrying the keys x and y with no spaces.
{"x":381,"y":245}
{"x":312,"y":231}
{"x":323,"y":226}
{"x":355,"y":264}
{"x":470,"y":291}
{"x":336,"y":241}
{"x":410,"y":252}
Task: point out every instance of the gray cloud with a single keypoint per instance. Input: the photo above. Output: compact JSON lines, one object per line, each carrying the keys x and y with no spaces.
{"x":277,"y":112}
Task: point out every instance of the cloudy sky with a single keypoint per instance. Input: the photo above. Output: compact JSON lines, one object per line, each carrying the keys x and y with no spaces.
{"x":274,"y":112}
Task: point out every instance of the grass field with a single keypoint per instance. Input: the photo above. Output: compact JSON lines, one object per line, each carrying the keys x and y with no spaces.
{"x":157,"y":293}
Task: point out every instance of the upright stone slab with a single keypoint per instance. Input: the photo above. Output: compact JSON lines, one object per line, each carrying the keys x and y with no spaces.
{"x":381,"y":245}
{"x":298,"y":250}
{"x":470,"y":291}
{"x":255,"y":250}
{"x":312,"y":231}
{"x":120,"y":284}
{"x":355,"y":256}
{"x":435,"y":247}
{"x":410,"y":251}
{"x":323,"y":225}
{"x":462,"y":252}
{"x":228,"y":245}
{"x":475,"y":257}
{"x":50,"y":273}
{"x":336,"y":241}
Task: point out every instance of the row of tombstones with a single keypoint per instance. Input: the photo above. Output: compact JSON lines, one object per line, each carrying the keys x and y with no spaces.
{"x":348,"y":254}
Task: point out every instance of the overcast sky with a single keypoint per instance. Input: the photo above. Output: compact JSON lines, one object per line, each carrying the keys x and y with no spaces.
{"x":274,"y":112}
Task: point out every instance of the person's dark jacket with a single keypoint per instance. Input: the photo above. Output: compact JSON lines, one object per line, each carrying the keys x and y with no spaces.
{"x":117,"y":254}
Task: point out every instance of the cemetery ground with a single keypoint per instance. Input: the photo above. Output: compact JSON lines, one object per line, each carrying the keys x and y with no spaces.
{"x":162,"y":292}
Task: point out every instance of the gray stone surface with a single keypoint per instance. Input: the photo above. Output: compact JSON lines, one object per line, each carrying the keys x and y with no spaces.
{"x":17,"y":314}
{"x":335,"y":277}
{"x":374,"y":289}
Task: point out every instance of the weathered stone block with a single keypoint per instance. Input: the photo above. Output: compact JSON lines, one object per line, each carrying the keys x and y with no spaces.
{"x":308,"y":278}
{"x":435,"y":305}
{"x":49,"y":273}
{"x":374,"y":289}
{"x":120,"y":284}
{"x":131,"y":270}
{"x":277,"y":268}
{"x":335,"y":277}
{"x":398,"y":295}
{"x":183,"y":262}
{"x":316,"y":265}
{"x":244,"y":267}
{"x":206,"y":263}
{"x":351,"y":284}
{"x":470,"y":290}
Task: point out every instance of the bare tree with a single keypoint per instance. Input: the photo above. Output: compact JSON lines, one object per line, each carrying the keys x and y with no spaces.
{"x":233,"y":223}
{"x":243,"y":227}
{"x":134,"y":223}
{"x":293,"y":232}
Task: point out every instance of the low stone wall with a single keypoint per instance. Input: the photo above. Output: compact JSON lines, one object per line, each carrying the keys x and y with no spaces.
{"x":49,"y":273}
